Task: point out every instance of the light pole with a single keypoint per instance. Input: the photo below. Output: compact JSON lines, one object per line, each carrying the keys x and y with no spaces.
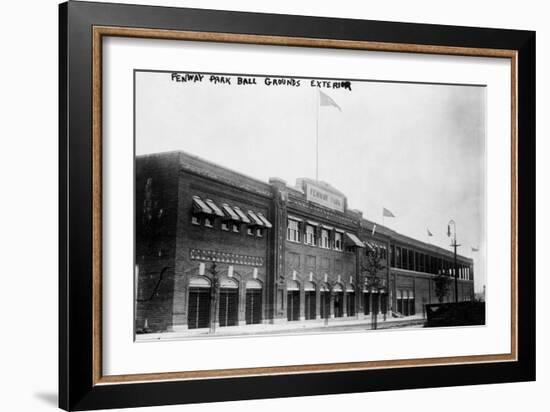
{"x":454,"y":245}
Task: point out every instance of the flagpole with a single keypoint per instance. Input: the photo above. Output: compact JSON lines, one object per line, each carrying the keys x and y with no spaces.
{"x":317,"y":136}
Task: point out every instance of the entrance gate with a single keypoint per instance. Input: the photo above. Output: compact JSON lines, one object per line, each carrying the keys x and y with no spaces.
{"x":310,"y":300}
{"x":293,"y":301}
{"x":229,"y":303}
{"x":198,"y":308}
{"x":253,"y":302}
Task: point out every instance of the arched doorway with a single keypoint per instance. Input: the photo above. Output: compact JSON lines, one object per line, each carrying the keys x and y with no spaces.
{"x":338,"y":292}
{"x":366,"y":301}
{"x":292,"y":300}
{"x":253,"y":304}
{"x":325,"y":301}
{"x":310,"y":300}
{"x":198,"y":307}
{"x":229,"y":302}
{"x":350,"y":301}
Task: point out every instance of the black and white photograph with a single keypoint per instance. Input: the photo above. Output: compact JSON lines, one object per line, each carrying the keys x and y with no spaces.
{"x":272,"y":204}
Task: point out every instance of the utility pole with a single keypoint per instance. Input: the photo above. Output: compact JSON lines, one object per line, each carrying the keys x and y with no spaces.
{"x":454,"y":245}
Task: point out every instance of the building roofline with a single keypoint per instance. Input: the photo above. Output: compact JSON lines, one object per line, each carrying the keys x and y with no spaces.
{"x":267,"y":188}
{"x":183,"y":155}
{"x":418,"y":243}
{"x":209,"y":162}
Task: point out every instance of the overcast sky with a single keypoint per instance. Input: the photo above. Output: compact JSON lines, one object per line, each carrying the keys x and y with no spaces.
{"x":415,"y":149}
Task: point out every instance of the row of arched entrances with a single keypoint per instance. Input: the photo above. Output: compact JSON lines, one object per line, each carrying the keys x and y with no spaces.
{"x":317,"y":303}
{"x":199,"y":308}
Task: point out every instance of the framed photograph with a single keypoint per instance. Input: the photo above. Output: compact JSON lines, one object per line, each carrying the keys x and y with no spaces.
{"x":256,"y":205}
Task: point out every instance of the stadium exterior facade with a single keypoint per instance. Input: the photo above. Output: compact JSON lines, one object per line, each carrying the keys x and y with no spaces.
{"x":218,"y":249}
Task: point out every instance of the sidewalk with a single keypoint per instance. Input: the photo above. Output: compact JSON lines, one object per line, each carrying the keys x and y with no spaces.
{"x":308,"y":326}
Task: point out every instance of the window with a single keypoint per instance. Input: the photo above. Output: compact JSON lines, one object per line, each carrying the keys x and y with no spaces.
{"x":310,"y":235}
{"x":195,"y":219}
{"x":225,"y":226}
{"x":293,"y":232}
{"x":325,"y":240}
{"x":208,"y":222}
{"x":338,"y":241}
{"x":259,"y":232}
{"x":235,"y":227}
{"x":397,"y":257}
{"x":249,"y":231}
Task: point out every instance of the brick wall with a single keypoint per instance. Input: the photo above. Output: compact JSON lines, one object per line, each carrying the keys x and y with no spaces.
{"x":227,"y":245}
{"x":155,"y":220}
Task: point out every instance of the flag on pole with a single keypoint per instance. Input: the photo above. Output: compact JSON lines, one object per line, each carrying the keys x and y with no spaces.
{"x":387,"y":213}
{"x":326,"y":100}
{"x":475,"y":249}
{"x":429,"y":233}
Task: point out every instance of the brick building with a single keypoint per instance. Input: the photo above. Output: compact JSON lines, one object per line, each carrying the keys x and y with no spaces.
{"x":216,"y":248}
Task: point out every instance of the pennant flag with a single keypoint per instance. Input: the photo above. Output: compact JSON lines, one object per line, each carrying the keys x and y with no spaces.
{"x":475,"y":249}
{"x":326,"y":100}
{"x":373,"y":230}
{"x":387,"y":213}
{"x":429,"y":233}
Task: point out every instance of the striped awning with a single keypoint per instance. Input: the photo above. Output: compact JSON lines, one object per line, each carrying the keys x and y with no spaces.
{"x":230,"y":213}
{"x":199,"y":206}
{"x":241,"y":215}
{"x":266,"y":222}
{"x":354,"y":240}
{"x":214,"y":207}
{"x":255,"y":219}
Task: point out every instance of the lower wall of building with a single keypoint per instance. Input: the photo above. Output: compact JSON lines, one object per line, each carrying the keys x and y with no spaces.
{"x":156,"y":304}
{"x":422,"y":289}
{"x":154,"y":296}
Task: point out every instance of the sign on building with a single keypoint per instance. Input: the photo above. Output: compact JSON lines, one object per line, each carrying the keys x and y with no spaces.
{"x":324,"y":197}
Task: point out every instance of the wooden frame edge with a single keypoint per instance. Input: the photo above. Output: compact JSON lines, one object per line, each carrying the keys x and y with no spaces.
{"x":97,"y":235}
{"x":98,"y":32}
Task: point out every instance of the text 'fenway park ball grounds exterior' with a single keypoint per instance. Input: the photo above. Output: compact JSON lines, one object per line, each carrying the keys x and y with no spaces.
{"x":218,"y":251}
